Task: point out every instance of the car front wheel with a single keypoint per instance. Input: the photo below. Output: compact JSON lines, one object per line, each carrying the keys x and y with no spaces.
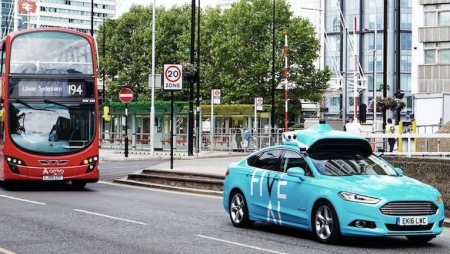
{"x":325,"y":224}
{"x":239,"y":210}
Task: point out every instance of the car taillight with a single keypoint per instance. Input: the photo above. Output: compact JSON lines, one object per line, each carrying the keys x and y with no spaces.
{"x":228,"y":172}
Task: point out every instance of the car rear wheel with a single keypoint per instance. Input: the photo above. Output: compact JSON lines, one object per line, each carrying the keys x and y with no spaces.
{"x":239,"y":210}
{"x":420,"y":239}
{"x":325,"y":224}
{"x":79,"y":184}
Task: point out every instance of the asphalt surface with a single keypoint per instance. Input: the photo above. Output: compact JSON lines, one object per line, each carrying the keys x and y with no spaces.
{"x":182,"y":162}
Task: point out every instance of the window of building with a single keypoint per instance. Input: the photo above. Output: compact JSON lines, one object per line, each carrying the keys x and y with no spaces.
{"x":334,"y":105}
{"x":379,"y":63}
{"x":437,"y":15}
{"x":405,"y":21}
{"x":430,"y":19}
{"x":444,"y":56}
{"x":405,"y":63}
{"x":405,"y":82}
{"x":370,"y":83}
{"x":406,"y":3}
{"x":444,"y":18}
{"x":405,"y":41}
{"x":437,"y":53}
{"x":336,"y":24}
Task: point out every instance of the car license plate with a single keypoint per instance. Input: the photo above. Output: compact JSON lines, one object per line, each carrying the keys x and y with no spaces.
{"x":412,"y":221}
{"x":53,"y":178}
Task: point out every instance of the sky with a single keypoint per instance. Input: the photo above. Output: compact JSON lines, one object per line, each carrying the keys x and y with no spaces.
{"x":124,"y":5}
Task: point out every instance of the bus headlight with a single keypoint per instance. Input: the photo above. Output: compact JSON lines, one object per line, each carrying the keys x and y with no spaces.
{"x":91,"y":162}
{"x":13,"y":163}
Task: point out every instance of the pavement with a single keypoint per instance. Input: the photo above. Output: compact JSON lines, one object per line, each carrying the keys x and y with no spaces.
{"x":135,"y":155}
{"x":194,"y":166}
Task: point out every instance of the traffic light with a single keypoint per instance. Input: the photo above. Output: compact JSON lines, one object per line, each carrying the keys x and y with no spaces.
{"x":399,"y":95}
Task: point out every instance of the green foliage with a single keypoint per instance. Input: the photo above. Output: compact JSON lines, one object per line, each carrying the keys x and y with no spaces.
{"x":236,"y":52}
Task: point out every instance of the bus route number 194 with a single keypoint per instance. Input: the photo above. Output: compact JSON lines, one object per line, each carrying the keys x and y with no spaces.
{"x":75,"y":89}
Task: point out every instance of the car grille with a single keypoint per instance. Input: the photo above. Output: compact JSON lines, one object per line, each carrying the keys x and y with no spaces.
{"x":409,"y":208}
{"x":394,"y":227}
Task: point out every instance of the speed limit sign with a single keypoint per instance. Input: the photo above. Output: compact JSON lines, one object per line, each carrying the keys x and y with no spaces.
{"x":173,"y":77}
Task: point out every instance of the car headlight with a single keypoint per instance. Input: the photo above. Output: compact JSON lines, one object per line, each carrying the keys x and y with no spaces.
{"x":358,"y":198}
{"x":439,"y":199}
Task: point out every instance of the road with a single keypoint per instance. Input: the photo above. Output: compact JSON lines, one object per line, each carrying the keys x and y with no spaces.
{"x":110,"y":170}
{"x":111,"y":218}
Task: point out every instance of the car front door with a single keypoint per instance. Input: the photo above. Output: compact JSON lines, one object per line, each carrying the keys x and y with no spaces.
{"x":291,"y":193}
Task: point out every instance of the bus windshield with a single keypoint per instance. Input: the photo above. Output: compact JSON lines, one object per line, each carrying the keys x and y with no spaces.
{"x":51,"y":52}
{"x":51,"y":127}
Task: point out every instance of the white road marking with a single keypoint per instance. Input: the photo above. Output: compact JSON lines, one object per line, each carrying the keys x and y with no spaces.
{"x":23,"y":200}
{"x":5,"y":251}
{"x":110,"y":217}
{"x":240,"y":244}
{"x":161,"y":190}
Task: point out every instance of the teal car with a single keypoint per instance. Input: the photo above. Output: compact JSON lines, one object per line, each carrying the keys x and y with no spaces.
{"x":330,"y":183}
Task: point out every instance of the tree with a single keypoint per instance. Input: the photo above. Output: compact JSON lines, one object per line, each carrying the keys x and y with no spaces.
{"x":236,"y":51}
{"x":240,"y":53}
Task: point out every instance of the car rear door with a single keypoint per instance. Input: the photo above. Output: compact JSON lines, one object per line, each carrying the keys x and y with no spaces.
{"x":265,"y":166}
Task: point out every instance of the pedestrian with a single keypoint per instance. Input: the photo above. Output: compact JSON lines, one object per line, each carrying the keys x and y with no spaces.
{"x":390,"y":129}
{"x":246,"y":140}
{"x":353,"y":126}
{"x":238,"y":138}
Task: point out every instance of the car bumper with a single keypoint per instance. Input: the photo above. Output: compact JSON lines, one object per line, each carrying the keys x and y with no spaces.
{"x":372,"y":222}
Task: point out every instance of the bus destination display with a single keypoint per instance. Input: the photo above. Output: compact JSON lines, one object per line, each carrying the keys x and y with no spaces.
{"x":51,"y":89}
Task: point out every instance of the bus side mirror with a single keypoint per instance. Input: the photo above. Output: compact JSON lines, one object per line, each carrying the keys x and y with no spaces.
{"x":106,"y":115}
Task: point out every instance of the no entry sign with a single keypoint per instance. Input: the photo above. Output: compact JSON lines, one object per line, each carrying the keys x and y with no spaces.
{"x":126,"y":95}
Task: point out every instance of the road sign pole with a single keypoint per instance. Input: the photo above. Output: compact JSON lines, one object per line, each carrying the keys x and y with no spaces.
{"x":126,"y":130}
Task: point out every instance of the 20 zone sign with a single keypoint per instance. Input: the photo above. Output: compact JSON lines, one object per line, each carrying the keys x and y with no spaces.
{"x":173,"y":77}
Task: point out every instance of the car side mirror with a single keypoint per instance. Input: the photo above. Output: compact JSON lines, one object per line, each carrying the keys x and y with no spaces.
{"x":399,"y":171}
{"x":296,"y":172}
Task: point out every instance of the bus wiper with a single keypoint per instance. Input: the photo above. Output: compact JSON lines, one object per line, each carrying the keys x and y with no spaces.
{"x":25,"y":104}
{"x":56,"y":103}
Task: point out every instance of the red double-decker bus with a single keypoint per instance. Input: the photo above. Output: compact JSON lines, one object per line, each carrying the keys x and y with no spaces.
{"x":49,"y":112}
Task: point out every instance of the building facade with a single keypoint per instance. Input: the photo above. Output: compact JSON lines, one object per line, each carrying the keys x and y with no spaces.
{"x":74,"y":14}
{"x":431,"y":46}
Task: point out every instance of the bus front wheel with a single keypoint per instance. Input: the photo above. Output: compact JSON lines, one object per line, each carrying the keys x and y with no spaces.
{"x":79,"y":184}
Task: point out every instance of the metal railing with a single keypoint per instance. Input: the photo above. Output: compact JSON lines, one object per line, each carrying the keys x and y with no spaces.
{"x":407,"y":144}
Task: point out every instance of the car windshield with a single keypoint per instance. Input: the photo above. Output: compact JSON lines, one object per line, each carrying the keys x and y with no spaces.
{"x":51,"y":127}
{"x":345,"y":164}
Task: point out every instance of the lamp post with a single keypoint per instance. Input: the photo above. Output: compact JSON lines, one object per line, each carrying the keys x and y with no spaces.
{"x":191,"y":86}
{"x":272,"y":113}
{"x":152,"y":106}
{"x":92,"y":17}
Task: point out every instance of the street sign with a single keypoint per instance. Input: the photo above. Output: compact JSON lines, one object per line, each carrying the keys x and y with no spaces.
{"x":216,"y":96}
{"x":173,"y":77}
{"x":259,"y":103}
{"x":126,"y":95}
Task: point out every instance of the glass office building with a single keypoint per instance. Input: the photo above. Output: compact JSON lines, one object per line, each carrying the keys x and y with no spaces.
{"x":73,"y":14}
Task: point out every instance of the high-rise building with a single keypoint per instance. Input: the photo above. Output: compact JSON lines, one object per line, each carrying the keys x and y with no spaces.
{"x":56,"y":13}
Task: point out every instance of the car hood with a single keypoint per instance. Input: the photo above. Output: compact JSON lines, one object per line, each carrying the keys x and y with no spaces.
{"x":389,"y":187}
